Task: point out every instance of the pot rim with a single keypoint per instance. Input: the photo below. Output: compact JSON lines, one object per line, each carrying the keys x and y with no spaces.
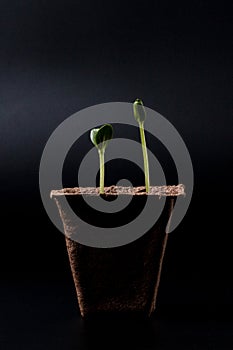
{"x":160,"y":191}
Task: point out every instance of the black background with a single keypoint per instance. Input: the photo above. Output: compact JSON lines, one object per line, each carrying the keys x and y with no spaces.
{"x":58,"y":57}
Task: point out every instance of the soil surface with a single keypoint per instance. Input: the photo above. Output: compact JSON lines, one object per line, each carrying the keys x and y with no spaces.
{"x":118,"y":190}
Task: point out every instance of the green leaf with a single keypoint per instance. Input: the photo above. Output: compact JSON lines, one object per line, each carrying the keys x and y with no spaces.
{"x":139,"y":111}
{"x":93,"y":136}
{"x":101,"y":136}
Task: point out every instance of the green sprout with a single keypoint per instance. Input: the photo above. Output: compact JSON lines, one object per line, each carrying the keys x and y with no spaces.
{"x":140,"y":116}
{"x":100,"y":138}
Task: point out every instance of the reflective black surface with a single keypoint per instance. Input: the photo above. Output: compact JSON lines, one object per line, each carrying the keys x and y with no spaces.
{"x":43,"y":314}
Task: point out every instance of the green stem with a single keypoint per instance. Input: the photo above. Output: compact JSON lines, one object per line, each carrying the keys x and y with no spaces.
{"x":101,"y":156}
{"x":145,"y":157}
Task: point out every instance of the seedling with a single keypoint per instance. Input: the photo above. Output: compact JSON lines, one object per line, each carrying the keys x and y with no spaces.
{"x":140,"y":116}
{"x":100,"y":138}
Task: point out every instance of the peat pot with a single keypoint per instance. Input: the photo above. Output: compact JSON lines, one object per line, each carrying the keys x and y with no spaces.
{"x":122,"y":279}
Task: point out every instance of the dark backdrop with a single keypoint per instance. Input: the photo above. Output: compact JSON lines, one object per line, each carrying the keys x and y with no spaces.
{"x":58,"y":57}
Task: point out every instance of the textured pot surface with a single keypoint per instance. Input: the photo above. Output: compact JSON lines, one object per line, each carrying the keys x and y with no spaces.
{"x":121,"y":279}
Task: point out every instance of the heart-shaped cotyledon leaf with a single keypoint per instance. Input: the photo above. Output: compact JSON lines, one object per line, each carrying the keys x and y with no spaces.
{"x":139,"y":111}
{"x":99,"y":137}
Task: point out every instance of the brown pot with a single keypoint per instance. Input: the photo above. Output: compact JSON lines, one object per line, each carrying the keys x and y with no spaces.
{"x":124,"y":278}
